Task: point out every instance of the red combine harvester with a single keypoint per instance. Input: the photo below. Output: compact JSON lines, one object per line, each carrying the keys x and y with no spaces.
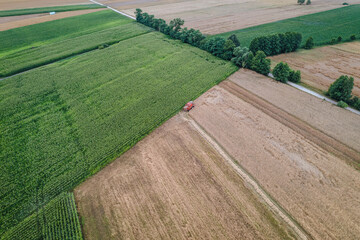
{"x":190,"y":105}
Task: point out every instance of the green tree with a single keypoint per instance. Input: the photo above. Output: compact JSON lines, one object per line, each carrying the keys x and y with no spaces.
{"x":138,"y":14}
{"x":300,"y":2}
{"x":235,"y":40}
{"x":309,"y":43}
{"x":341,"y":89}
{"x":352,"y":37}
{"x":295,"y":76}
{"x":281,"y":72}
{"x":308,"y":2}
{"x":241,"y":55}
{"x":215,"y":46}
{"x":228,"y":49}
{"x":260,"y":64}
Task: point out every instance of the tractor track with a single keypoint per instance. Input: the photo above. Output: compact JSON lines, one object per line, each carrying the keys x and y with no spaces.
{"x":250,"y":181}
{"x":326,"y":142}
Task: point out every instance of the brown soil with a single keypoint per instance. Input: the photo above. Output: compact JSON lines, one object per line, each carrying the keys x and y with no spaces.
{"x":212,"y":17}
{"x":320,"y":67}
{"x":336,"y":122}
{"x":172,"y":185}
{"x":317,"y":188}
{"x":21,"y":4}
{"x":7,"y":23}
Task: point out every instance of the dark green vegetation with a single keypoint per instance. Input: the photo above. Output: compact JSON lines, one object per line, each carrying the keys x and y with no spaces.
{"x":65,"y":121}
{"x":283,"y":73}
{"x":341,"y":90}
{"x":276,"y":43}
{"x":309,"y":44}
{"x":57,"y":220}
{"x":27,"y":11}
{"x":321,"y":26}
{"x":48,"y":46}
{"x":227,"y":49}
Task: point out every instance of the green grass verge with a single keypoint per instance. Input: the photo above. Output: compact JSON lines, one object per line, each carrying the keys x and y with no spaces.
{"x":57,"y":220}
{"x":34,"y":57}
{"x":36,"y":35}
{"x":321,"y":26}
{"x":17,"y":12}
{"x":65,"y":121}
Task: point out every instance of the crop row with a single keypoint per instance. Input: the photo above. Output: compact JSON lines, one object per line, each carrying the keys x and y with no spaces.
{"x":48,"y":53}
{"x":65,"y":121}
{"x":17,"y":39}
{"x":17,"y":12}
{"x":57,"y":220}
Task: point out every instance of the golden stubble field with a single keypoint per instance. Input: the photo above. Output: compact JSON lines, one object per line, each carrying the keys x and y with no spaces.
{"x":172,"y":185}
{"x":318,"y":189}
{"x":320,"y":67}
{"x":218,"y":16}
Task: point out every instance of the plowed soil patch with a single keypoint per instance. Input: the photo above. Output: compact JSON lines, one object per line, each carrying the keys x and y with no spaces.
{"x":318,"y":189}
{"x":172,"y":185}
{"x":7,"y":23}
{"x":320,"y":67}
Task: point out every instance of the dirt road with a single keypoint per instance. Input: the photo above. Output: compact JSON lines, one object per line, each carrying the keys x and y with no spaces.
{"x":173,"y":185}
{"x":335,"y":122}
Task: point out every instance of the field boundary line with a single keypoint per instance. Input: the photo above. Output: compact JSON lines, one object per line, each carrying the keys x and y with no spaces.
{"x":250,"y":180}
{"x":113,"y":9}
{"x":315,"y":94}
{"x":328,"y":143}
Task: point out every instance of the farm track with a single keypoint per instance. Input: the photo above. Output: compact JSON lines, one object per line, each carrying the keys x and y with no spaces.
{"x":321,"y":139}
{"x":250,"y":180}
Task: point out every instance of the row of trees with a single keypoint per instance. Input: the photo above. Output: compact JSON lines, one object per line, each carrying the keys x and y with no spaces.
{"x":253,"y":58}
{"x":277,"y":43}
{"x":341,"y":91}
{"x":173,"y":29}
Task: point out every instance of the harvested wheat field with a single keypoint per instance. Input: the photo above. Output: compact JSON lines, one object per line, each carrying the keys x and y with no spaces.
{"x":172,"y":185}
{"x":20,"y":4}
{"x":7,"y":23}
{"x":213,"y":17}
{"x":336,"y":122}
{"x":318,"y":189}
{"x":320,"y":67}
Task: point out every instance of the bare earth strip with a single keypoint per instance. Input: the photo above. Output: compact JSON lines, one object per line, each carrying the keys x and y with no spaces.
{"x":320,"y":67}
{"x":7,"y":23}
{"x":172,"y":185}
{"x":336,"y":122}
{"x":218,"y":16}
{"x":317,"y":188}
{"x":21,"y":4}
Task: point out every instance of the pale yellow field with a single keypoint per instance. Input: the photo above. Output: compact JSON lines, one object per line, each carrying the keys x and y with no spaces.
{"x":320,"y":67}
{"x":218,"y":16}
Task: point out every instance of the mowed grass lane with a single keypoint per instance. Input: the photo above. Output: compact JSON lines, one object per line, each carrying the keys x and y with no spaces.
{"x":27,"y":11}
{"x":81,"y":34}
{"x":65,"y":121}
{"x":321,"y":26}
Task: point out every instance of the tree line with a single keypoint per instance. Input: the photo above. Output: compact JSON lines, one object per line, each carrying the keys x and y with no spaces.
{"x":230,"y":49}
